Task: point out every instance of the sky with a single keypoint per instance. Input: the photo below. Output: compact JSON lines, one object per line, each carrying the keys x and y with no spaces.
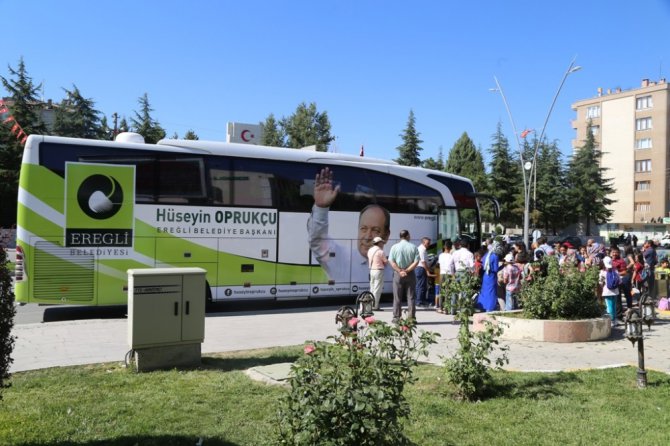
{"x":366,"y":64}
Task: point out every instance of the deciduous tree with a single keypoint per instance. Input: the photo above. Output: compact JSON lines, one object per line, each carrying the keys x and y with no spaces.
{"x":7,"y":312}
{"x":307,"y":127}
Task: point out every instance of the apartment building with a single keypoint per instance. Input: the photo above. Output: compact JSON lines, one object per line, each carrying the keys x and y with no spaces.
{"x":632,"y":127}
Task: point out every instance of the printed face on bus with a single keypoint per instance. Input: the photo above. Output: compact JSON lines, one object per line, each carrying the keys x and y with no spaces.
{"x":372,"y":222}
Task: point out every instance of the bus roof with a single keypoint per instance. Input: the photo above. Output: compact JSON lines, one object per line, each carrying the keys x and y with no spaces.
{"x":252,"y":151}
{"x":220,"y":148}
{"x":257,"y":151}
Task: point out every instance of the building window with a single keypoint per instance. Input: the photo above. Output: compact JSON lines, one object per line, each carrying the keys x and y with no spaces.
{"x":643,"y":206}
{"x":643,"y":143}
{"x":643,"y":124}
{"x":643,"y":102}
{"x":593,"y":112}
{"x":642,"y":185}
{"x":643,"y":166}
{"x":595,"y":130}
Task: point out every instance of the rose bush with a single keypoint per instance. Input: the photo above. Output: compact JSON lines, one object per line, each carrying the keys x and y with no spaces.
{"x":349,"y":390}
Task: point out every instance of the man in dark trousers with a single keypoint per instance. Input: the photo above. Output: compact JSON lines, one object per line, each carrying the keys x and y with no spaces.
{"x":404,"y":257}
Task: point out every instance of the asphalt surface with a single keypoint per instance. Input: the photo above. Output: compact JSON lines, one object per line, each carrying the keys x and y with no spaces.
{"x":75,"y":336}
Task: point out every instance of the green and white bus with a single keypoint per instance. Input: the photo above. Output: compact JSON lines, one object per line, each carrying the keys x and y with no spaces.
{"x":90,"y":210}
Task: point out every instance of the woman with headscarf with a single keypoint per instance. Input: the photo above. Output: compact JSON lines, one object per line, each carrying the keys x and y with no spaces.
{"x":488,"y":294}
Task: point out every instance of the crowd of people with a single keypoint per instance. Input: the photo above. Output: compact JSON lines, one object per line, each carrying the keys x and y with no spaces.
{"x":504,"y":268}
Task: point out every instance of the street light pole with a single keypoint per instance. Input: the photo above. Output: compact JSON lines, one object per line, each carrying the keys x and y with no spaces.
{"x":571,"y":69}
{"x":529,"y":167}
{"x":526,"y":180}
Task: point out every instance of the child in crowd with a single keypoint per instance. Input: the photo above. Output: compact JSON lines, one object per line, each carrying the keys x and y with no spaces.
{"x":478,"y":268}
{"x":512,"y":279}
{"x":609,"y":294}
{"x":664,"y":267}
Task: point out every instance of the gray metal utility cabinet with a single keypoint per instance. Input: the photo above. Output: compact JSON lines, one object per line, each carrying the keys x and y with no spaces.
{"x":166,"y":317}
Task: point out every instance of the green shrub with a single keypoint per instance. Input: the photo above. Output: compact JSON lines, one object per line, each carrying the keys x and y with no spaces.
{"x":7,"y":312}
{"x":564,"y":293}
{"x":469,"y":370}
{"x":349,"y":391}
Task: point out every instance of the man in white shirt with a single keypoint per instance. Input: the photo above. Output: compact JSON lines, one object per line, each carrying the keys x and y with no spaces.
{"x":446,"y":260}
{"x":464,"y":263}
{"x":464,"y":260}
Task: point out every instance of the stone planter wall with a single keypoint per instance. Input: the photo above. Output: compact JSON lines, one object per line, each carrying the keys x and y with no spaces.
{"x":546,"y":330}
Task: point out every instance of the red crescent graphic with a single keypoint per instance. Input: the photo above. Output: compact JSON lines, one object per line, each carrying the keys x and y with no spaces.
{"x":244,"y":136}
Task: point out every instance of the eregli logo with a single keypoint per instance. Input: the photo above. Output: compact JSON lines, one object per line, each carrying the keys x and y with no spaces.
{"x":100,"y":196}
{"x":99,"y":205}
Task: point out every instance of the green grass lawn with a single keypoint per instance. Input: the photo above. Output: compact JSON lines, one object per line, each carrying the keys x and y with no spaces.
{"x":108,"y":404}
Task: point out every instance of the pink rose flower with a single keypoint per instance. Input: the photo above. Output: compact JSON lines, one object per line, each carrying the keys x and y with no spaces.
{"x":370,"y":319}
{"x":353,"y":322}
{"x":404,"y":328}
{"x":309,"y":348}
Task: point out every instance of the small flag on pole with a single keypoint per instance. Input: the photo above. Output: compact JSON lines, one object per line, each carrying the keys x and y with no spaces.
{"x":362,"y":151}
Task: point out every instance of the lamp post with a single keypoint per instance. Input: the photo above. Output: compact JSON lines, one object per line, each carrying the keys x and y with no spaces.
{"x":342,"y":318}
{"x":364,"y":304}
{"x":634,"y":334}
{"x":648,"y":309}
{"x":529,"y":166}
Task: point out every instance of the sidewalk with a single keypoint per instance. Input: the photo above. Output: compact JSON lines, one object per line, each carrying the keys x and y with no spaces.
{"x":55,"y":344}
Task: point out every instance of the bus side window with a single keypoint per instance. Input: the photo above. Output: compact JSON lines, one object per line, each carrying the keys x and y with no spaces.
{"x":181,"y":179}
{"x":361,"y":187}
{"x":415,"y":197}
{"x":219,"y":177}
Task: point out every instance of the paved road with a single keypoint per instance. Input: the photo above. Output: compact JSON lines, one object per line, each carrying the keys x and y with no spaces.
{"x":103,"y":338}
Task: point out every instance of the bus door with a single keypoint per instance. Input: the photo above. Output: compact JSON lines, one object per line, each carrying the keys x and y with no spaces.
{"x":447,"y":224}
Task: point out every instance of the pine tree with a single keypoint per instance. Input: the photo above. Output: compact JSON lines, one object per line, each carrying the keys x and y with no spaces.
{"x":433,"y":164}
{"x":123,"y":126}
{"x":105,"y":132}
{"x":24,"y":106}
{"x":550,"y":189}
{"x":145,"y":125}
{"x":589,"y":189}
{"x":505,"y":181}
{"x":273,"y":134}
{"x":190,"y":135}
{"x":76,"y":117}
{"x":307,"y":127}
{"x":410,"y":149}
{"x":466,"y":160}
